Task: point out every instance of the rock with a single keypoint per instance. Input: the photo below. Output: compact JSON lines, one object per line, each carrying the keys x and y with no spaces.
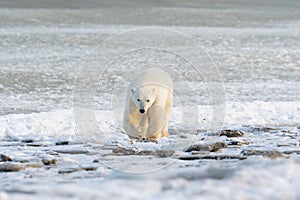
{"x":35,"y":144}
{"x":34,"y":165}
{"x":11,"y":167}
{"x":266,"y":153}
{"x":232,"y":133}
{"x":147,"y":152}
{"x":296,"y":151}
{"x":164,"y":153}
{"x":28,"y":140}
{"x":62,"y":143}
{"x":238,"y":143}
{"x":4,"y":158}
{"x":71,"y":151}
{"x":125,"y":151}
{"x":206,"y":147}
{"x":68,"y":170}
{"x":76,"y":169}
{"x":212,"y":157}
{"x":263,"y":129}
{"x":14,"y":167}
{"x":52,"y":153}
{"x":90,"y":168}
{"x":218,"y":145}
{"x":49,"y":161}
{"x":24,"y":161}
{"x":134,"y":151}
{"x":197,"y":147}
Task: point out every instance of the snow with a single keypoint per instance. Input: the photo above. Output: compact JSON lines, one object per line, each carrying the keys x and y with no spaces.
{"x":121,"y":176}
{"x":60,"y":123}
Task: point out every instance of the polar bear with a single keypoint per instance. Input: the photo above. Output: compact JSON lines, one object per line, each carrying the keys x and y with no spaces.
{"x":148,"y":105}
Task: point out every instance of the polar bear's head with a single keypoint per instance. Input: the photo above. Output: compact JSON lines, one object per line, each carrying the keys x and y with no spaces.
{"x":143,"y":98}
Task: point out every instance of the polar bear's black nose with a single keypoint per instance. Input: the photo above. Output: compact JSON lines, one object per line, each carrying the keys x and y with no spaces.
{"x":142,"y":111}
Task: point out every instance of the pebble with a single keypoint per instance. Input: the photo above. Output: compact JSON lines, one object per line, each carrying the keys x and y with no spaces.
{"x":266,"y":153}
{"x":238,"y":143}
{"x":76,"y":169}
{"x":206,"y":147}
{"x":212,"y":157}
{"x":49,"y":161}
{"x":5,"y":158}
{"x":296,"y":151}
{"x":125,"y":151}
{"x":72,"y":151}
{"x":28,"y":140}
{"x":147,"y":152}
{"x":232,"y":133}
{"x":164,"y":153}
{"x":11,"y":167}
{"x":62,"y":143}
{"x":134,"y":151}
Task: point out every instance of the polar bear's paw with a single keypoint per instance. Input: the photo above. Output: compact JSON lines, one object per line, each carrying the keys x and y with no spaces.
{"x":147,"y":140}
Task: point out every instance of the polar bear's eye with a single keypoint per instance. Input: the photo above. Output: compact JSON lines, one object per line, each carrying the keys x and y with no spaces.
{"x":147,"y":100}
{"x":138,"y":99}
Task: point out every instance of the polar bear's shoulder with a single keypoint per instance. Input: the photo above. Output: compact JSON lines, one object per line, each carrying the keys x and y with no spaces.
{"x":152,"y":75}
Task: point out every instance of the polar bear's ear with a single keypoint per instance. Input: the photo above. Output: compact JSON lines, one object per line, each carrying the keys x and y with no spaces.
{"x":132,"y":90}
{"x":153,"y":89}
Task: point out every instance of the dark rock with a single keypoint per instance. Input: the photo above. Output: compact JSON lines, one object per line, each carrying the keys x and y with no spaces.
{"x":232,"y":133}
{"x":49,"y":161}
{"x":72,"y":151}
{"x":206,"y":147}
{"x":263,"y":129}
{"x":134,"y":151}
{"x":125,"y":151}
{"x":212,"y":157}
{"x":5,"y":158}
{"x":238,"y":143}
{"x":68,"y":170}
{"x":218,"y":145}
{"x":62,"y":143}
{"x":147,"y":152}
{"x":266,"y":153}
{"x":197,"y":147}
{"x":28,"y":140}
{"x":164,"y":153}
{"x":76,"y":169}
{"x":89,"y":168}
{"x":35,"y":144}
{"x":296,"y":151}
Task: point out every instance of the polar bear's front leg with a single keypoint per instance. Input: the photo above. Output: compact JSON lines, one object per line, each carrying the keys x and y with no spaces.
{"x":143,"y":126}
{"x":131,"y":128}
{"x":158,"y":119}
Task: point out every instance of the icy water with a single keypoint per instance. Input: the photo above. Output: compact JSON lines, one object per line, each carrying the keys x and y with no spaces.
{"x":65,"y":68}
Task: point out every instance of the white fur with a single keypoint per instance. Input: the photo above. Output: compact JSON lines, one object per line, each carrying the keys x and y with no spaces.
{"x":151,"y":91}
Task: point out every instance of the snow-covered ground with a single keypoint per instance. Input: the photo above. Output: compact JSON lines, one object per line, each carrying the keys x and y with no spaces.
{"x":64,"y":75}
